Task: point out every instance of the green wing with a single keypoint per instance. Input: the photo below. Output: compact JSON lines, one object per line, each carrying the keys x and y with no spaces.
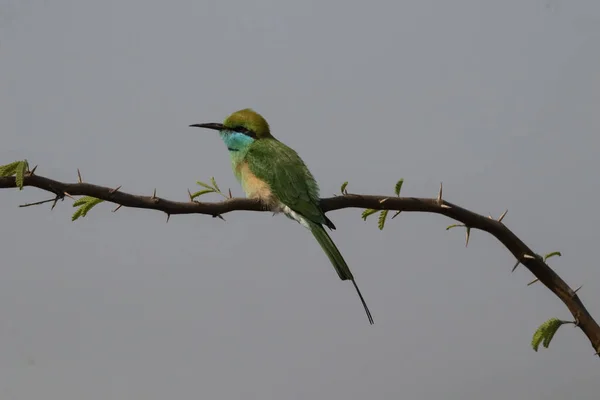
{"x":289,"y":178}
{"x":291,"y":181}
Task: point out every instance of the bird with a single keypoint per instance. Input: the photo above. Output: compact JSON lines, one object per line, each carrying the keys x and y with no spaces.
{"x":274,"y":174}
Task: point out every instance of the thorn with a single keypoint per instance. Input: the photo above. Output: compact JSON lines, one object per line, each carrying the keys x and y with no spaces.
{"x":440,"y":201}
{"x":467,"y":236}
{"x":395,"y":215}
{"x":32,"y":171}
{"x":576,"y":290}
{"x":168,"y":216}
{"x":79,"y":176}
{"x":219,"y":216}
{"x":115,"y":189}
{"x":190,"y":195}
{"x":69,"y":196}
{"x":529,"y":257}
{"x":230,"y":195}
{"x":55,"y":201}
{"x":383,"y":200}
{"x":532,"y":282}
{"x":500,"y":218}
{"x":490,"y":216}
{"x":153,"y":198}
{"x":516,"y":265}
{"x":117,"y":209}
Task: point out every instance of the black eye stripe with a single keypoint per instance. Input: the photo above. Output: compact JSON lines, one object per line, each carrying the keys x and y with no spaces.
{"x":245,"y":131}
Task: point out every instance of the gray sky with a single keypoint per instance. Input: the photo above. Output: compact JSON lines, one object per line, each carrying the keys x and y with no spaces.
{"x":499,"y":100}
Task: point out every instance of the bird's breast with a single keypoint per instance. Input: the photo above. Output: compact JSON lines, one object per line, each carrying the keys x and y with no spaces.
{"x":254,"y":187}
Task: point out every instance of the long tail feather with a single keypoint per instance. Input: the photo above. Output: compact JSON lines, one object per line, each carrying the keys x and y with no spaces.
{"x":337,"y":261}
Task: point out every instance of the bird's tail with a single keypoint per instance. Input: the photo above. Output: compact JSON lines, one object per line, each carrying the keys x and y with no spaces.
{"x":337,"y":260}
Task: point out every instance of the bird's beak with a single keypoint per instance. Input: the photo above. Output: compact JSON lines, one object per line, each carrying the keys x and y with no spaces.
{"x":210,"y":125}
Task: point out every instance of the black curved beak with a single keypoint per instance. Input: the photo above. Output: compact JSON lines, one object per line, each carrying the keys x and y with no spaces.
{"x":210,"y":125}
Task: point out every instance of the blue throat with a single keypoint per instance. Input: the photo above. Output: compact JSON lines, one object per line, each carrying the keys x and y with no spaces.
{"x":236,"y":141}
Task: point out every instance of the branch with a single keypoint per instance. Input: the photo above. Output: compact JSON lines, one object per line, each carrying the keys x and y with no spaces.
{"x":471,"y":220}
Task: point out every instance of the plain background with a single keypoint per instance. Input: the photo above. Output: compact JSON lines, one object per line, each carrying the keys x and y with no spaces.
{"x":499,"y":100}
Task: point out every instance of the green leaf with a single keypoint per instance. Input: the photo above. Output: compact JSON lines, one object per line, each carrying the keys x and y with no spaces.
{"x":367,"y":212}
{"x":453,"y":226}
{"x":343,"y":188}
{"x":80,"y":201}
{"x":85,"y":204}
{"x":76,"y":214}
{"x":17,"y":168}
{"x":206,"y":185}
{"x":214,"y":182}
{"x":20,"y":173}
{"x":398,"y":187}
{"x":201,"y":192}
{"x":551,"y":332}
{"x":554,"y":253}
{"x":9,"y":169}
{"x":381,"y":219}
{"x":545,"y":333}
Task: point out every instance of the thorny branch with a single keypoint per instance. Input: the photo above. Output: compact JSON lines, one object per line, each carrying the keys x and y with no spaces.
{"x":437,"y":205}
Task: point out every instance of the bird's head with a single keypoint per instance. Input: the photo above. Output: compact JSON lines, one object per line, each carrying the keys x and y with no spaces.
{"x":246,"y":121}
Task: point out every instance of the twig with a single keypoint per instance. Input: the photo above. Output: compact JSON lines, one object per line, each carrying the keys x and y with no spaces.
{"x":37,"y":203}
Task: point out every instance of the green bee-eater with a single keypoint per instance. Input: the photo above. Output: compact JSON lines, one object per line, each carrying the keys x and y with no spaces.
{"x":272,"y":172}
